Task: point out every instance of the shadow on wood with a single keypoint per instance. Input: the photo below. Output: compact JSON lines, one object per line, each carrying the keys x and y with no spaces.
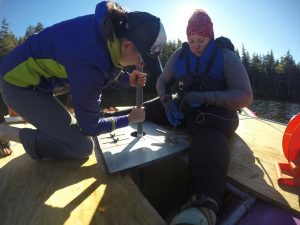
{"x":69,"y":192}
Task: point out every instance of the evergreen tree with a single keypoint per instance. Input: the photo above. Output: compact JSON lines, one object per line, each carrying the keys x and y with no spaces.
{"x":292,"y":79}
{"x":289,"y":63}
{"x":237,"y":52}
{"x":254,"y":72}
{"x":269,"y":63}
{"x":169,"y":49}
{"x":8,"y":40}
{"x":245,"y":58}
{"x":30,"y":30}
{"x":39,"y":27}
{"x":4,"y":28}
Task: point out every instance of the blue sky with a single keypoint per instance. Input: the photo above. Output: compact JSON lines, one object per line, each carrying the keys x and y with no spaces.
{"x":261,"y":25}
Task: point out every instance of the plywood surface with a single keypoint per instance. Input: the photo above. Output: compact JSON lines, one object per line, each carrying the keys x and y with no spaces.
{"x":68,"y":192}
{"x":81,"y":192}
{"x":255,"y":148}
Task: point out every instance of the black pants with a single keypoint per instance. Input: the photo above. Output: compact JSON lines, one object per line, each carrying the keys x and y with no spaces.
{"x":210,"y":128}
{"x":209,"y":152}
{"x":3,"y":108}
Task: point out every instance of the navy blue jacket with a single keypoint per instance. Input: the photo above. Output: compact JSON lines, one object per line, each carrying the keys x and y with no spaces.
{"x":71,"y":54}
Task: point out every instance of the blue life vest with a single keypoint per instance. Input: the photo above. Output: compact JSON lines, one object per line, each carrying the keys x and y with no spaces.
{"x":204,"y":73}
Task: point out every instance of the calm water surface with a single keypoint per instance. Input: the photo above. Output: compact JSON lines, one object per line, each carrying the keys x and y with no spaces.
{"x":278,"y":111}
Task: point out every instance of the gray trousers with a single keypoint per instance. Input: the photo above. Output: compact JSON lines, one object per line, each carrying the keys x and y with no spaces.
{"x":57,"y":134}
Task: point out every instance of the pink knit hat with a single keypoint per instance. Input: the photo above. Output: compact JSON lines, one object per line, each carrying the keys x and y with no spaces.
{"x":200,"y":24}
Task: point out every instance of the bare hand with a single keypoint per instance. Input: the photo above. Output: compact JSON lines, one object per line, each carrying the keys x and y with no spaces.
{"x":137,"y":78}
{"x":136,"y":115}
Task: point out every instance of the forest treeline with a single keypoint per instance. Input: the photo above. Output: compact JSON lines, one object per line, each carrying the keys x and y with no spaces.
{"x":270,"y":78}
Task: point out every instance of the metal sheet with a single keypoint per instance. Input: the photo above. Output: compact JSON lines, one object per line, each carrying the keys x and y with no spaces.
{"x":121,"y":150}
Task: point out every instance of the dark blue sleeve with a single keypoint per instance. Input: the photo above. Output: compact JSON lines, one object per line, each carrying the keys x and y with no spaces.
{"x":86,"y":83}
{"x":124,"y":79}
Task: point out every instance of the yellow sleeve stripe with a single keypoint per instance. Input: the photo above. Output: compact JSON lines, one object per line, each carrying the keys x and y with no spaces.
{"x":113,"y":124}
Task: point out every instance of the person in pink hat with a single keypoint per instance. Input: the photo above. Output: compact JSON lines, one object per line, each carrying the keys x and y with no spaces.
{"x":210,"y":84}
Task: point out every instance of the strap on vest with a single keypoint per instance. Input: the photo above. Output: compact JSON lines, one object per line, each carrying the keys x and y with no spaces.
{"x":185,"y":53}
{"x":211,"y":60}
{"x":197,"y":65}
{"x":221,"y":42}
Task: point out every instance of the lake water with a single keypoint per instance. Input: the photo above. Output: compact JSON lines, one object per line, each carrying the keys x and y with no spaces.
{"x":279,"y":111}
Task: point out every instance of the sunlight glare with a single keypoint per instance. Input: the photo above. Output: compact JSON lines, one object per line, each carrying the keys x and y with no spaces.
{"x":180,"y":18}
{"x":62,"y":197}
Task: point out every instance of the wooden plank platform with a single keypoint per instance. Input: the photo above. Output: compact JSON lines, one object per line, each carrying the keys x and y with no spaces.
{"x":255,"y":148}
{"x":68,"y":192}
{"x":81,"y":192}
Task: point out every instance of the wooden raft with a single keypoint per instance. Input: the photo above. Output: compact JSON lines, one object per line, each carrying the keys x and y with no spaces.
{"x":68,"y":192}
{"x":255,"y":148}
{"x":81,"y":192}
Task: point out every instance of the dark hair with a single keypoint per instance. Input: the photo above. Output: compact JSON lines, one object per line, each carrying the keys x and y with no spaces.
{"x":115,"y":21}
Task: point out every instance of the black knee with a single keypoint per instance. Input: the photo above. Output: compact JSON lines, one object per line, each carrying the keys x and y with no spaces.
{"x":83,"y":148}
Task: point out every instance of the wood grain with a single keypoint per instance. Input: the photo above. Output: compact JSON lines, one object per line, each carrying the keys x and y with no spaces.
{"x":81,"y":192}
{"x":256,"y":146}
{"x":68,"y":192}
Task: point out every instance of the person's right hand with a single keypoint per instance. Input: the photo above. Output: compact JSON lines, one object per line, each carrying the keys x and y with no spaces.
{"x":137,"y":78}
{"x":136,"y":115}
{"x":173,"y":114}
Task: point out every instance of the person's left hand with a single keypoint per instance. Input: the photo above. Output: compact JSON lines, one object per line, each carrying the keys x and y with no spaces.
{"x":137,"y":78}
{"x":193,"y":98}
{"x":136,"y":115}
